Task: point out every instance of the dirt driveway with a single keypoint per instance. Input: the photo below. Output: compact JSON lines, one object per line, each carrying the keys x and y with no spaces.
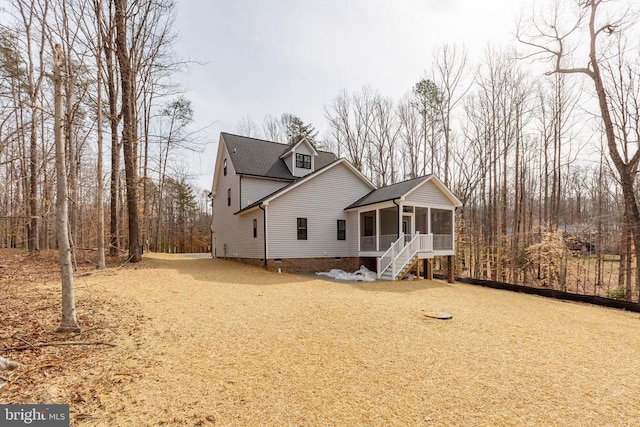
{"x":216,"y":342}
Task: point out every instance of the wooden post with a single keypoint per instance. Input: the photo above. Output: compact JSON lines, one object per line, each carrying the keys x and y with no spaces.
{"x":450,"y":269}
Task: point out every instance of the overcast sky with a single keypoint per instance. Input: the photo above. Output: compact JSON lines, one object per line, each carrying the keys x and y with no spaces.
{"x":272,"y":57}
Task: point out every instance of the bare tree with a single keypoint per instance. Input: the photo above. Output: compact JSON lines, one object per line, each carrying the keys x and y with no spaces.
{"x":107,"y":31}
{"x":273,"y":129}
{"x":67,"y":26}
{"x":495,"y":118}
{"x":33,"y":12}
{"x":428,"y":102}
{"x":350,"y":117}
{"x":624,"y":96}
{"x":99,"y":173}
{"x":151,"y":36}
{"x":69,"y":322}
{"x":555,"y":116}
{"x":409,"y":127}
{"x":177,"y":114}
{"x":450,"y":63}
{"x":247,"y":127}
{"x":287,"y":129}
{"x":555,"y":42}
{"x":384,"y":133}
{"x":128,"y":125}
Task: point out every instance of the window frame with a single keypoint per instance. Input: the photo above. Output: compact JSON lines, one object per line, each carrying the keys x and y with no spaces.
{"x":342,"y":232}
{"x":224,"y":168}
{"x":302,"y":228}
{"x":303,"y":161}
{"x":229,"y":197}
{"x":255,"y":228}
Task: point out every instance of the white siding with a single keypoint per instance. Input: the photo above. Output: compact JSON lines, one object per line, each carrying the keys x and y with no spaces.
{"x":322,"y":201}
{"x":242,"y":243}
{"x":429,"y":194}
{"x":301,"y":149}
{"x":304,"y":149}
{"x":254,"y":189}
{"x":234,"y":231}
{"x":289,"y":161}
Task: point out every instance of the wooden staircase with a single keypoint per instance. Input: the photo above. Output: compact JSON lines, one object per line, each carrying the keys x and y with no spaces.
{"x":410,"y":266}
{"x":402,"y":256}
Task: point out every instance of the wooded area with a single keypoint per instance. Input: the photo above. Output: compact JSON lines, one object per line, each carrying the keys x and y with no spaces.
{"x":118,"y":93}
{"x":545,"y":164}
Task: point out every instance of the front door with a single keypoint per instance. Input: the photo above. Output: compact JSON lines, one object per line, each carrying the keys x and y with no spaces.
{"x":407,"y":225}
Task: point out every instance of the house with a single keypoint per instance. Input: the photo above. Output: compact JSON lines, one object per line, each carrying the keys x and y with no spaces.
{"x":298,"y":209}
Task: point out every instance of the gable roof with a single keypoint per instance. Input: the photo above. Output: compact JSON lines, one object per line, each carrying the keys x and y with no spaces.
{"x":265,"y":200}
{"x":293,"y":147}
{"x":440,"y":185}
{"x":258,"y":157}
{"x":401,"y":190}
{"x":390,"y":192}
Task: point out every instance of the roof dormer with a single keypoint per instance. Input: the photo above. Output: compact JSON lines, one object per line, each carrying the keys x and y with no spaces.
{"x":300,"y":158}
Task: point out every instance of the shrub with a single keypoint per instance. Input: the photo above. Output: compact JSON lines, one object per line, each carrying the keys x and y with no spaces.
{"x":618,"y":293}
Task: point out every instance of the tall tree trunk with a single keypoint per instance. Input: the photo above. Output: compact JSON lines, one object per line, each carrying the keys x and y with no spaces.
{"x":599,"y":231}
{"x":128,"y":132}
{"x":515,"y":235}
{"x":114,"y":119}
{"x":627,"y":170}
{"x":146,"y":216}
{"x":628,"y":267}
{"x":99,"y":177}
{"x":29,"y":13}
{"x":114,"y":218}
{"x":68,"y":322}
{"x":72,"y":165}
{"x":34,"y":241}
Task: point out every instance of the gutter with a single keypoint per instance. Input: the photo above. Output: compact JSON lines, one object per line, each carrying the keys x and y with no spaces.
{"x":270,"y":178}
{"x":264,"y":232}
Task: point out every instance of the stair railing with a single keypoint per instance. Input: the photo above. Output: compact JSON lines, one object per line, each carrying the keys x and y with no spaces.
{"x":387,"y":259}
{"x":405,"y":256}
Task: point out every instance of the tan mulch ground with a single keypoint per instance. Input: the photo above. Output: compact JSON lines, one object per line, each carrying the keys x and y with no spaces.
{"x":203,"y":342}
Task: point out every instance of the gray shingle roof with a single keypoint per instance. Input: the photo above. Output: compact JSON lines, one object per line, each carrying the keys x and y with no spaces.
{"x":257,"y":157}
{"x":390,"y":192}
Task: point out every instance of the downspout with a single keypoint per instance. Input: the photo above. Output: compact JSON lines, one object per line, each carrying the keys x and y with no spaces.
{"x":240,"y":193}
{"x":213,"y":249}
{"x":264,"y":233}
{"x":399,"y":217}
{"x":393,"y":269}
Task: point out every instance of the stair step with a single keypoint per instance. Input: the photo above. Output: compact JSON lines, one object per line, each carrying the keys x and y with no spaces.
{"x":387,"y":273}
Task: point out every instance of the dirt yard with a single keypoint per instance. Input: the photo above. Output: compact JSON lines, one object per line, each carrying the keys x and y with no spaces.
{"x":211,"y":342}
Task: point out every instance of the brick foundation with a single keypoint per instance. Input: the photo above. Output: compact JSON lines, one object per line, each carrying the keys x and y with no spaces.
{"x":311,"y":265}
{"x":370,"y":263}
